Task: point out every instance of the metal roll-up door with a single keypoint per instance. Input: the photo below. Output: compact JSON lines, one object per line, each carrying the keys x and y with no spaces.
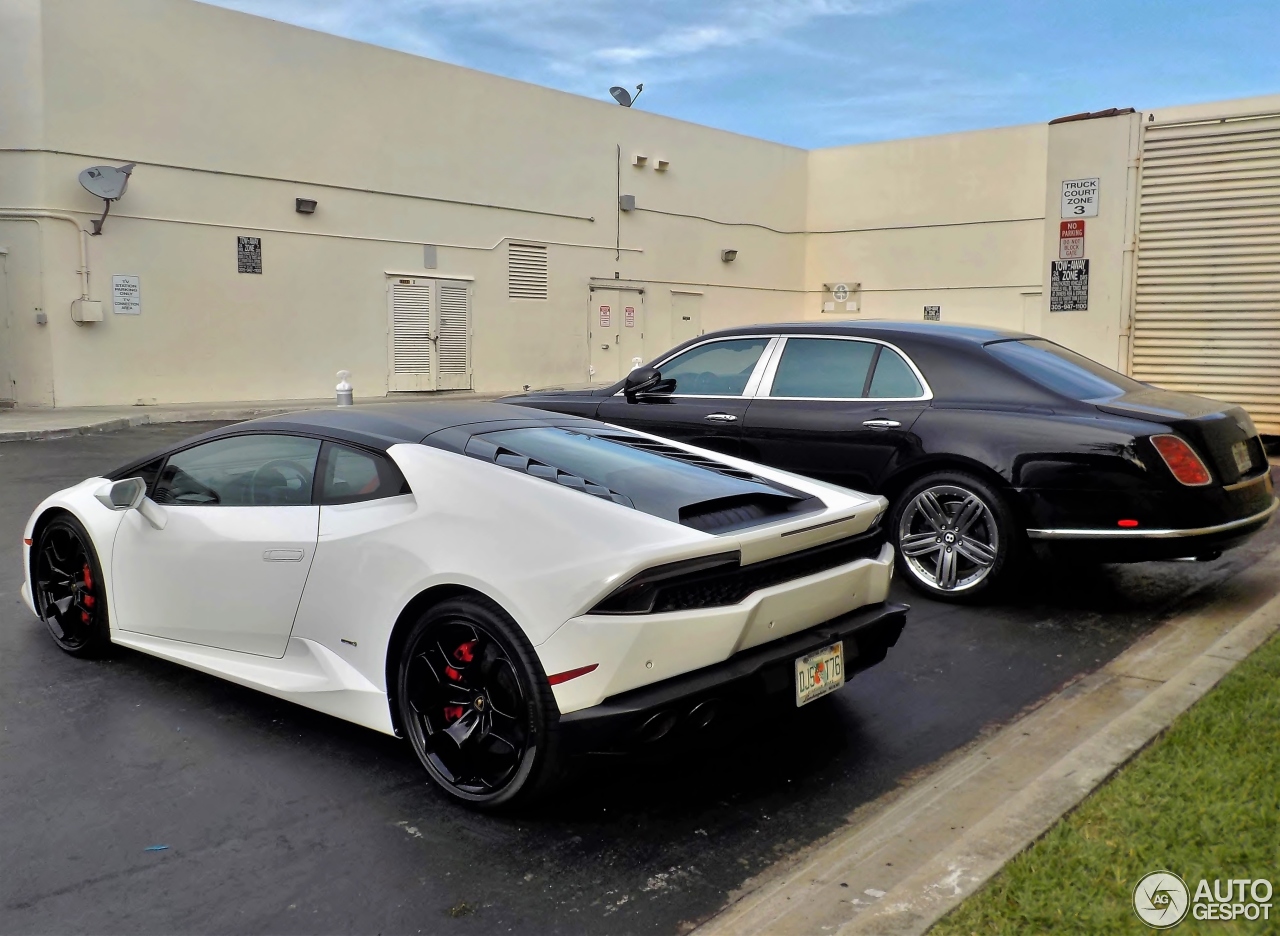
{"x":1207,"y":296}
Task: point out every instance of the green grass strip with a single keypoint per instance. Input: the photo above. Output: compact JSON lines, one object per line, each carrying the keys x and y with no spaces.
{"x":1202,"y":801}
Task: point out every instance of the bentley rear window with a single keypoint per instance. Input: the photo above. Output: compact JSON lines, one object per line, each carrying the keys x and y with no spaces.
{"x":1062,"y":371}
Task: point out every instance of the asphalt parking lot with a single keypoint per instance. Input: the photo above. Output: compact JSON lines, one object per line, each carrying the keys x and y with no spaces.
{"x":278,"y":819}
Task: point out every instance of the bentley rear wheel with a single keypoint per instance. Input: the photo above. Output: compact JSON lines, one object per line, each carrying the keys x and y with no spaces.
{"x":954,"y":534}
{"x":67,"y":588}
{"x":476,"y":707}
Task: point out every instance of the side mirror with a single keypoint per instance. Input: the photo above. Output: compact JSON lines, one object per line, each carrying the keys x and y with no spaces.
{"x":131,"y":494}
{"x":122,"y":495}
{"x":645,"y":380}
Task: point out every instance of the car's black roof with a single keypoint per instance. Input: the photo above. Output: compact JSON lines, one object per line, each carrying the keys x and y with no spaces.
{"x":974,"y":334}
{"x":381,"y":425}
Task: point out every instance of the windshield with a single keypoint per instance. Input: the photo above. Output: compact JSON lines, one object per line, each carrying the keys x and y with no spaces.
{"x":1055,"y":368}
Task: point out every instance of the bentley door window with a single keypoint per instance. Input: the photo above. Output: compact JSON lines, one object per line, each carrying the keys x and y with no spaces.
{"x":718,"y":368}
{"x":894,"y":379}
{"x":241,"y":471}
{"x":351,"y":475}
{"x":823,"y":368}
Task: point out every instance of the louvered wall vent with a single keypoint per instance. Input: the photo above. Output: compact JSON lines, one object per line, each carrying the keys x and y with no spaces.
{"x":526,"y":271}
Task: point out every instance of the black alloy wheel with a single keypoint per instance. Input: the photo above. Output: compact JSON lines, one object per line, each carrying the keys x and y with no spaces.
{"x":954,"y":534}
{"x":476,"y":706}
{"x":67,"y":586}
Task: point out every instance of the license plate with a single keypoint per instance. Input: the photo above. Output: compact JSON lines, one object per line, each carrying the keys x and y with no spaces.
{"x":1244,"y":458}
{"x":819,"y":672}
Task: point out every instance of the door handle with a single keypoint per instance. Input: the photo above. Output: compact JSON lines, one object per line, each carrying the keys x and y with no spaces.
{"x":282,"y":555}
{"x":720,"y":417}
{"x":881,"y":423}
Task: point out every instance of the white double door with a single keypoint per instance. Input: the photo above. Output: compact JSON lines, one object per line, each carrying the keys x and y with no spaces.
{"x":429,"y":333}
{"x":616,"y":333}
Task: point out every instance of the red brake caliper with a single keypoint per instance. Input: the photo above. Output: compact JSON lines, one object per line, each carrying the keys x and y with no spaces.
{"x":88,"y":599}
{"x":464,"y":653}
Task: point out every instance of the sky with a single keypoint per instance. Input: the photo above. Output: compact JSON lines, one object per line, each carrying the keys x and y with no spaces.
{"x":814,"y":73}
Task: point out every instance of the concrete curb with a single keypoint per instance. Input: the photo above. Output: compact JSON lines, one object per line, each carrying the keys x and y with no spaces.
{"x":213,"y":412}
{"x":953,"y":829}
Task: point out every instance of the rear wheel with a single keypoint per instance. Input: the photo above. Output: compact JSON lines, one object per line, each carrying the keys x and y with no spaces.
{"x":954,"y":534}
{"x":67,"y":588}
{"x":476,"y":707}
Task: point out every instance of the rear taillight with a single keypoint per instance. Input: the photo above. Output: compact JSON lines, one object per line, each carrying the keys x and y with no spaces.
{"x":1182,"y":460}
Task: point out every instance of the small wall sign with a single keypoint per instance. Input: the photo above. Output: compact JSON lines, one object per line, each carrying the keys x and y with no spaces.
{"x":1070,"y":240}
{"x":606,"y":316}
{"x":1069,"y":286}
{"x":249,"y":254}
{"x":1080,"y":198}
{"x":629,"y":317}
{"x":126,"y":295}
{"x":933,"y":313}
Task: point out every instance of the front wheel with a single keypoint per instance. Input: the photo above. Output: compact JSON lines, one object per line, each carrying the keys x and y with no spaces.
{"x":67,"y":588}
{"x":954,"y":534}
{"x":476,"y":707}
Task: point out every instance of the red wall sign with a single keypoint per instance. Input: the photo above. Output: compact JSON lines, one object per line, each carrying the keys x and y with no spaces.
{"x":629,"y":317}
{"x":605,"y":318}
{"x":1071,"y":240}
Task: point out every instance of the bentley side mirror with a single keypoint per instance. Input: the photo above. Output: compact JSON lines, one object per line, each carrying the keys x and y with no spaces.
{"x":645,"y":380}
{"x":131,"y":494}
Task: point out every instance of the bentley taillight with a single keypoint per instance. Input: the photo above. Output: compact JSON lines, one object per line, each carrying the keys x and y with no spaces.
{"x":1182,"y":460}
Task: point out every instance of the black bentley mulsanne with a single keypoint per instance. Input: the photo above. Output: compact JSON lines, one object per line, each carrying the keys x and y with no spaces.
{"x":984,"y":440}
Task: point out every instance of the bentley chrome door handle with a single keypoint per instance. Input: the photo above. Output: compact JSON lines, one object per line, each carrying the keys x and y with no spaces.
{"x":881,"y":423}
{"x":720,"y":417}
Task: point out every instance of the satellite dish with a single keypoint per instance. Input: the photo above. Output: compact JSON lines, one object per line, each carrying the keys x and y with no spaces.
{"x":108,"y":183}
{"x":623,"y":96}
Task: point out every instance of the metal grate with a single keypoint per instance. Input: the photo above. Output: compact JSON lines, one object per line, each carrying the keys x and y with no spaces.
{"x":1207,"y":310}
{"x":452,"y":343}
{"x":411,"y":324}
{"x":526,"y":271}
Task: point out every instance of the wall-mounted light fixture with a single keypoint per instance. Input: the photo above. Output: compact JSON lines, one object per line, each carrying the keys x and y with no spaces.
{"x":728,"y":255}
{"x":304,"y":205}
{"x":662,"y":165}
{"x":639,"y":161}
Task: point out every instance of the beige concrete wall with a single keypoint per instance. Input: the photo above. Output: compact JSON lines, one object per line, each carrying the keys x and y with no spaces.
{"x":954,"y":221}
{"x":230,"y":117}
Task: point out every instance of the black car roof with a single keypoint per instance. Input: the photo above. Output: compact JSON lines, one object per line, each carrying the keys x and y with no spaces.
{"x":377,"y":425}
{"x":975,"y":334}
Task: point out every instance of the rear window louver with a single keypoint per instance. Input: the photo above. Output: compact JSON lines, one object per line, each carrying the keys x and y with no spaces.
{"x":487,"y":451}
{"x":679,"y":454}
{"x":716,"y":516}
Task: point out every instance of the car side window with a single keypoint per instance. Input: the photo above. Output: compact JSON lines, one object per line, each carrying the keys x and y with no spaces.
{"x":894,"y":378}
{"x":719,"y":368}
{"x":351,"y":475}
{"x":241,"y":471}
{"x":825,"y":368}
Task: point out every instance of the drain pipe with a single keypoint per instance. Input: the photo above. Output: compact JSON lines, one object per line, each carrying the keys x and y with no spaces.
{"x":37,"y":214}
